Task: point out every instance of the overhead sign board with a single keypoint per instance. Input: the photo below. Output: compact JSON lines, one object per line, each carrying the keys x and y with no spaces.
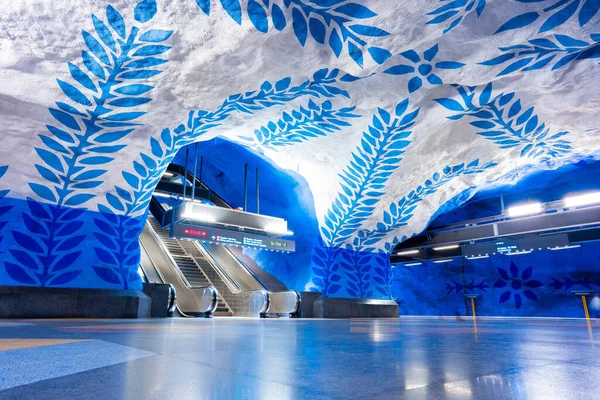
{"x":234,"y":238}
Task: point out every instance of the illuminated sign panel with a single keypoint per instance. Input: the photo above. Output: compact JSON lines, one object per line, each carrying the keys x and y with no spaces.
{"x":223,"y":236}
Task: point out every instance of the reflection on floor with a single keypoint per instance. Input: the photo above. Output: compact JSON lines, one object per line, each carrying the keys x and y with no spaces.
{"x":234,"y":358}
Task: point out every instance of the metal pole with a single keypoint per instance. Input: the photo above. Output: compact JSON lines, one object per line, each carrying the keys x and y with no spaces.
{"x":195,"y":170}
{"x":502,"y":202}
{"x":245,"y":187}
{"x":257,"y":193}
{"x":200,"y":174}
{"x":187,"y":151}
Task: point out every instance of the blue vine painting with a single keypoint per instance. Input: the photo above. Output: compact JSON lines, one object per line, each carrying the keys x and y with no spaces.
{"x":102,"y":108}
{"x":502,"y":119}
{"x":332,"y":23}
{"x":373,"y":113}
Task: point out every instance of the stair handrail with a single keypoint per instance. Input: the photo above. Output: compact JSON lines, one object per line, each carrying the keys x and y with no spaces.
{"x":172,"y":260}
{"x":225,"y":276}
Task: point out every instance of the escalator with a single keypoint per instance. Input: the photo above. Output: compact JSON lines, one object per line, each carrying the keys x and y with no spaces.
{"x":240,"y":291}
{"x":163,"y":261}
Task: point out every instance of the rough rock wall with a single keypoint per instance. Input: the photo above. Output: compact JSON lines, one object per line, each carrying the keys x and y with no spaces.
{"x":386,"y":108}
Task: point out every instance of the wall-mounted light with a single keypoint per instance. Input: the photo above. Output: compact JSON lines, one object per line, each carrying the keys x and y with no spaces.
{"x":582,"y":200}
{"x":408,"y":252}
{"x":447,"y":247}
{"x":565,"y":247}
{"x":413,"y":264}
{"x":478,"y":257}
{"x":443,"y":261}
{"x":518,"y":253}
{"x":526,"y":209}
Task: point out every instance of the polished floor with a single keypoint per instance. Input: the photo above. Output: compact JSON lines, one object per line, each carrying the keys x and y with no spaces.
{"x":233,"y":358}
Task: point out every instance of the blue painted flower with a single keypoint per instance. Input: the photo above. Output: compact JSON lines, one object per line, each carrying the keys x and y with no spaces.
{"x":422,"y":68}
{"x":517,"y":284}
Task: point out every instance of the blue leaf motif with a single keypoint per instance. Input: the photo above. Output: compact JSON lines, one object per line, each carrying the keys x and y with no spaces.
{"x":258,"y":16}
{"x":107,"y":275}
{"x":64,"y":278}
{"x":27,"y":242}
{"x":278,"y":17}
{"x":560,"y":17}
{"x":19,"y":274}
{"x":156,"y":35}
{"x":43,"y":192}
{"x":145,"y":10}
{"x":116,"y":21}
{"x":519,"y":21}
{"x":450,"y":104}
{"x":317,"y":30}
{"x":232,"y":7}
{"x":204,"y":6}
{"x":355,"y":10}
{"x":299,"y":25}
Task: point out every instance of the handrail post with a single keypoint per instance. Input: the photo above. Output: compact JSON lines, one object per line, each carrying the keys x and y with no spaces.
{"x":257,"y":193}
{"x":245,"y":187}
{"x":195,"y":169}
{"x":187,"y":150}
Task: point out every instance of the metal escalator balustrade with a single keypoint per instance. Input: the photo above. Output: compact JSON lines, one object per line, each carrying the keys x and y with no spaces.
{"x":191,"y":271}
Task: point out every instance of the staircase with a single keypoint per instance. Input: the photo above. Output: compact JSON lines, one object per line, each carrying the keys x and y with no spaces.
{"x":191,"y":270}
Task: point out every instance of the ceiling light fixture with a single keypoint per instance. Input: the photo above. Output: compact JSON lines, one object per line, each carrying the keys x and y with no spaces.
{"x":477,"y":257}
{"x":443,"y":261}
{"x":407,"y":252}
{"x":447,"y":247}
{"x":413,"y":264}
{"x":527,"y":209}
{"x":582,"y":200}
{"x":565,"y":247}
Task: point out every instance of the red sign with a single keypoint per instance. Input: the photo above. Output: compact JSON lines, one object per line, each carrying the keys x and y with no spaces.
{"x":194,"y":232}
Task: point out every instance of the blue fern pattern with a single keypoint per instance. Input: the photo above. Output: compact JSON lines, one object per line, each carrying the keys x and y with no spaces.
{"x":503,"y":120}
{"x":422,"y":68}
{"x":452,"y":12}
{"x":328,"y":22}
{"x":315,"y":120}
{"x":542,"y":52}
{"x":357,"y":262}
{"x":83,"y":140}
{"x":567,"y":283}
{"x":125,"y":210}
{"x":362,"y":183}
{"x":470,"y":287}
{"x":554,"y":15}
{"x":400,"y":212}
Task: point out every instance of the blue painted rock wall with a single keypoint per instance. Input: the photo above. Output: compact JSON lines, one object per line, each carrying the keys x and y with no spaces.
{"x":538,"y":284}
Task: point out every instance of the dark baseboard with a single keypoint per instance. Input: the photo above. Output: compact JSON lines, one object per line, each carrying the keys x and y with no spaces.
{"x":37,"y":302}
{"x":354,"y":308}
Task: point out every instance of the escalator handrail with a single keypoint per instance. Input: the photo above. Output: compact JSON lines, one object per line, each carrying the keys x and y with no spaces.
{"x":212,"y":289}
{"x":226,"y":277}
{"x":246,"y":268}
{"x":164,"y":249}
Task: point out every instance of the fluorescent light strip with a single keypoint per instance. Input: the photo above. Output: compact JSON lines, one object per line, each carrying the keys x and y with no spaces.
{"x":478,"y":257}
{"x":517,"y":253}
{"x":407,"y":252}
{"x":582,"y":200}
{"x":527,"y":209}
{"x":168,"y":174}
{"x":412,"y":264}
{"x":443,"y":261}
{"x":565,"y":247}
{"x":448,"y":247}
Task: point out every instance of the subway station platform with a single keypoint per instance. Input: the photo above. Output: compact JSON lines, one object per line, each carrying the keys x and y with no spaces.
{"x":238,"y":358}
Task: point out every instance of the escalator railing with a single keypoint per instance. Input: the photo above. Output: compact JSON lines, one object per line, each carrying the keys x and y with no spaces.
{"x":191,"y":300}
